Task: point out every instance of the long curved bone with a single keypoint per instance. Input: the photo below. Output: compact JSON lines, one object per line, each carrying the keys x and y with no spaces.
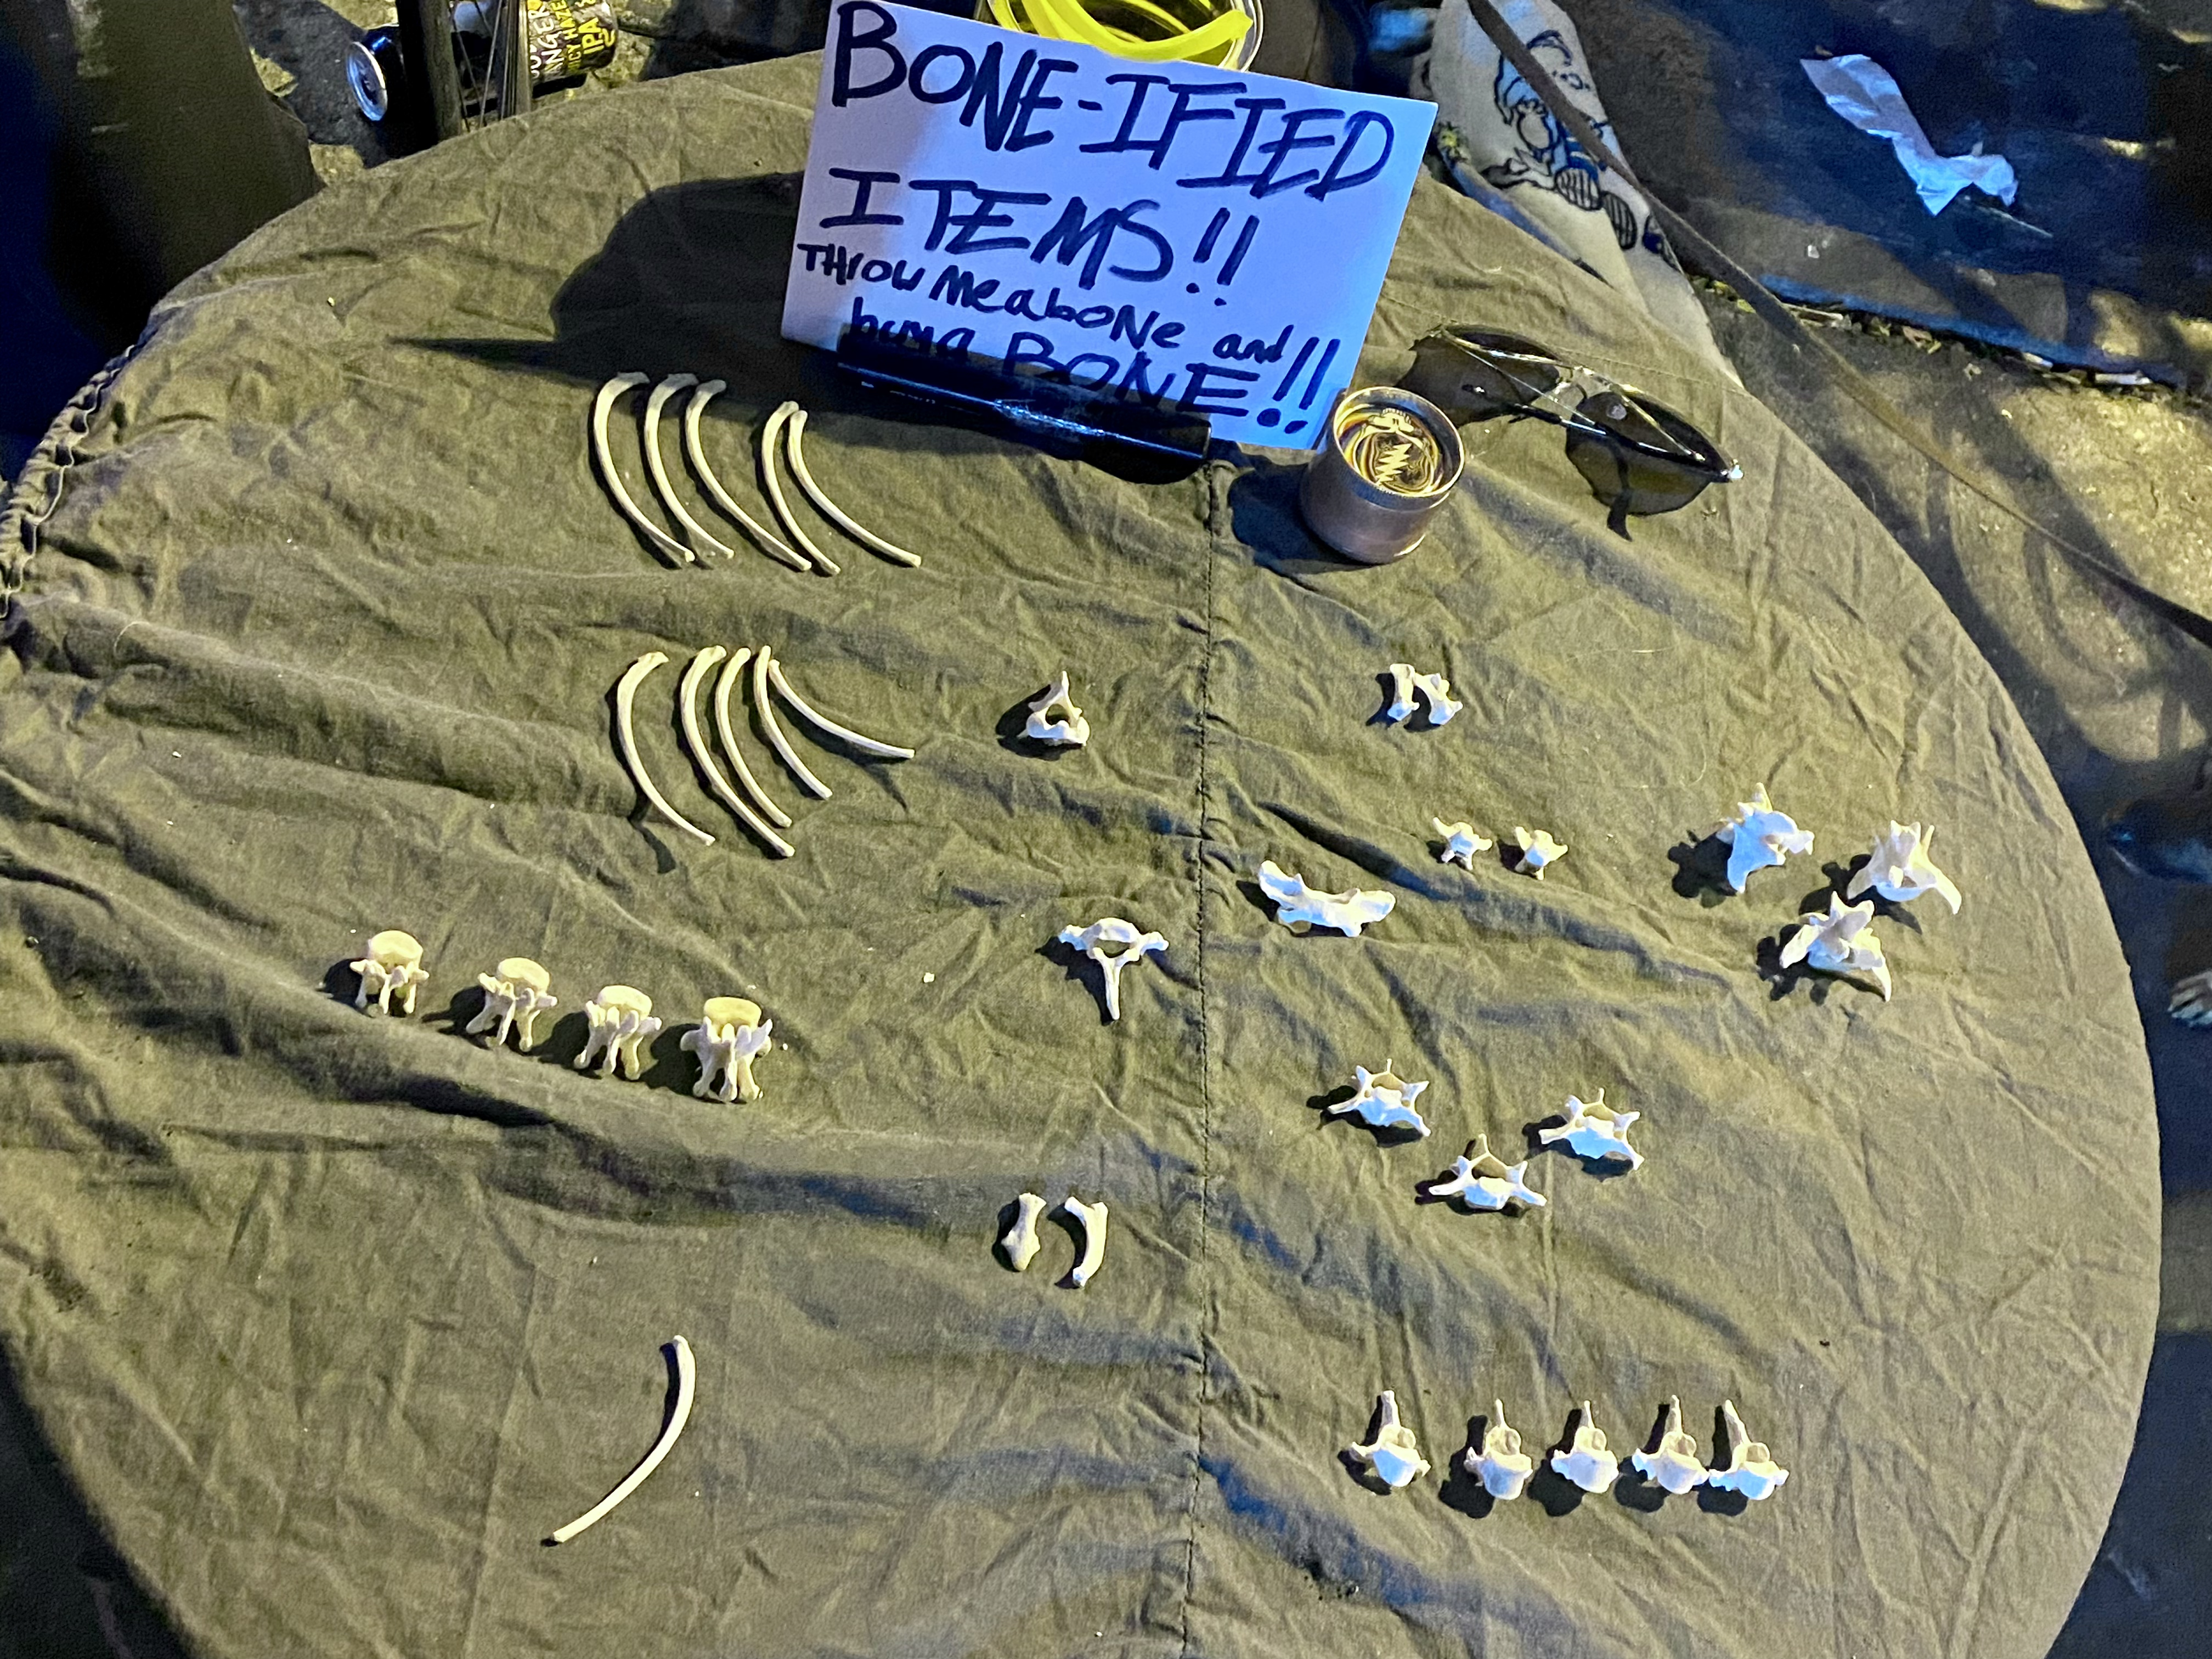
{"x":770,"y":542}
{"x":626,"y":729}
{"x":630,"y":510}
{"x":829,"y":509}
{"x":770,"y":431}
{"x":654,"y":464}
{"x":1020,"y":1242}
{"x":680,"y":1352}
{"x":781,"y":744}
{"x":823,"y":722}
{"x":1091,"y":1218}
{"x":688,"y":703}
{"x":723,"y":687}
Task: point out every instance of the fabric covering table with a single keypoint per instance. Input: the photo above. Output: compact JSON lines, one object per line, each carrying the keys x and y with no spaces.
{"x":333,"y":1318}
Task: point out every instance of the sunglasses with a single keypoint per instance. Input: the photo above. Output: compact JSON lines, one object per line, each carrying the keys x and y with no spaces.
{"x":1639,"y":456}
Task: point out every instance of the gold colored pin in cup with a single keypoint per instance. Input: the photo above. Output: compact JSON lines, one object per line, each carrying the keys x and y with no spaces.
{"x":1388,"y":460}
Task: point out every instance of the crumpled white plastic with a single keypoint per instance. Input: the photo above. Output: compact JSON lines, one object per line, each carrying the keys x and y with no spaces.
{"x":1867,"y":95}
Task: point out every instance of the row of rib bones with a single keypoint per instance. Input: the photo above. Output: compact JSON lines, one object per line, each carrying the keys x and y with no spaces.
{"x":1021,"y":1246}
{"x":788,"y":422}
{"x":766,"y":674}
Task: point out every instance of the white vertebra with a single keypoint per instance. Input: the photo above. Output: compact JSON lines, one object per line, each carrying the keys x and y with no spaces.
{"x":1839,"y":942}
{"x":515,"y":996}
{"x":626,"y":732}
{"x":1112,"y":930}
{"x":621,"y":1019}
{"x":1020,"y":1242}
{"x":1461,"y":842}
{"x":1752,"y":1470}
{"x":730,"y":1033}
{"x":1435,"y":690}
{"x":1538,"y":851}
{"x":1393,"y":1454}
{"x":1899,"y":870}
{"x":1091,"y":1218}
{"x":1675,"y":1465}
{"x":1502,"y":1466}
{"x":1484,"y":1181}
{"x":1587,"y":1461}
{"x":1758,"y":836}
{"x":1070,"y":730}
{"x":1385,"y":1101}
{"x":1299,"y":908}
{"x":390,"y":965}
{"x":1594,"y":1133}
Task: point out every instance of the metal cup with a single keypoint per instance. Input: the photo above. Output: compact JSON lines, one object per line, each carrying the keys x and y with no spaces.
{"x":1363,"y":519}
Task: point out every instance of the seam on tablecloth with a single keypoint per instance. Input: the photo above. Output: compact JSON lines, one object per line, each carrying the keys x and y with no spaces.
{"x":44,"y":471}
{"x":1218,"y":479}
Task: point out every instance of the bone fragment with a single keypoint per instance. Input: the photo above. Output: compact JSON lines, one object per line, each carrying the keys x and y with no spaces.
{"x":1588,"y":1462}
{"x":1840,"y":941}
{"x":1020,"y":1243}
{"x":1112,"y":930}
{"x":621,"y":1021}
{"x":1899,"y":870}
{"x":515,"y":994}
{"x":687,"y":704}
{"x":1461,"y":842}
{"x":729,"y":1034}
{"x":1751,"y":1469}
{"x":829,"y":509}
{"x":1593,"y":1132}
{"x":390,"y":965}
{"x":626,"y":729}
{"x":770,"y":542}
{"x":1385,"y":1101}
{"x":1758,"y":837}
{"x":822,"y":722}
{"x":781,"y":744}
{"x":630,"y":510}
{"x":1502,"y":1466}
{"x":770,"y":431}
{"x":1068,"y":730}
{"x":1091,"y":1218}
{"x":1300,"y":908}
{"x":1393,"y":1454}
{"x":723,"y":687}
{"x":1538,"y":851}
{"x":1675,"y":1467}
{"x":679,"y":1350}
{"x":1435,"y":690}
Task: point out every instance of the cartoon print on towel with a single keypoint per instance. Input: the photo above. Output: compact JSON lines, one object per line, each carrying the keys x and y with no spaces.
{"x":1545,"y":153}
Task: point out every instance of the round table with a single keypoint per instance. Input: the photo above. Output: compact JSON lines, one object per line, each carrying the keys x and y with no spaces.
{"x":333,"y":1318}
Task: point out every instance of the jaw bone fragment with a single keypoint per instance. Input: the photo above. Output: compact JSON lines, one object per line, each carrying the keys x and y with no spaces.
{"x":686,"y":1386}
{"x":1899,"y":870}
{"x":621,"y":1019}
{"x":1594,"y":1132}
{"x":1483,"y":1180}
{"x":723,"y":686}
{"x":770,"y":724}
{"x":626,"y":729}
{"x":390,"y":965}
{"x":1069,"y":731}
{"x":1758,"y":836}
{"x":659,"y":467}
{"x":1298,"y":907}
{"x":1112,"y":930}
{"x":829,"y":509}
{"x":1752,"y":1470}
{"x":1588,"y":1462}
{"x":760,"y":532}
{"x":1461,"y":842}
{"x":1538,"y":850}
{"x":515,"y":996}
{"x":1020,"y":1242}
{"x":1385,"y":1101}
{"x":687,"y":704}
{"x":822,"y":722}
{"x":770,"y":431}
{"x":1435,"y":689}
{"x":1091,"y":1218}
{"x":630,"y":510}
{"x":730,"y":1033}
{"x":1502,"y":1466}
{"x":1675,"y":1465}
{"x":1839,"y":942}
{"x":1393,"y":1454}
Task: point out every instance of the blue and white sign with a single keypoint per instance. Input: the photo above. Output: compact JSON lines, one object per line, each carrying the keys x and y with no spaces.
{"x":1169,"y":233}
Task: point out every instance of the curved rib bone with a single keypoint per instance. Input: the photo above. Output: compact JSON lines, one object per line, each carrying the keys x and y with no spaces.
{"x":781,"y":744}
{"x":679,"y":1351}
{"x":654,"y":464}
{"x":800,"y":708}
{"x":829,"y":509}
{"x":1020,"y":1242}
{"x":626,"y":729}
{"x":688,"y":703}
{"x":630,"y":510}
{"x":723,"y":686}
{"x":769,"y":433}
{"x":1091,"y":1218}
{"x":770,"y":542}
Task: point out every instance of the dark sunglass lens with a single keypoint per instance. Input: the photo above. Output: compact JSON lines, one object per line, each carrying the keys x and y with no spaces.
{"x":1472,"y":376}
{"x":1631,"y":483}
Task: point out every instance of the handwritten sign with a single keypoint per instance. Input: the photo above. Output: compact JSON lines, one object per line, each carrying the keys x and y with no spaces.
{"x":1162,"y":232}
